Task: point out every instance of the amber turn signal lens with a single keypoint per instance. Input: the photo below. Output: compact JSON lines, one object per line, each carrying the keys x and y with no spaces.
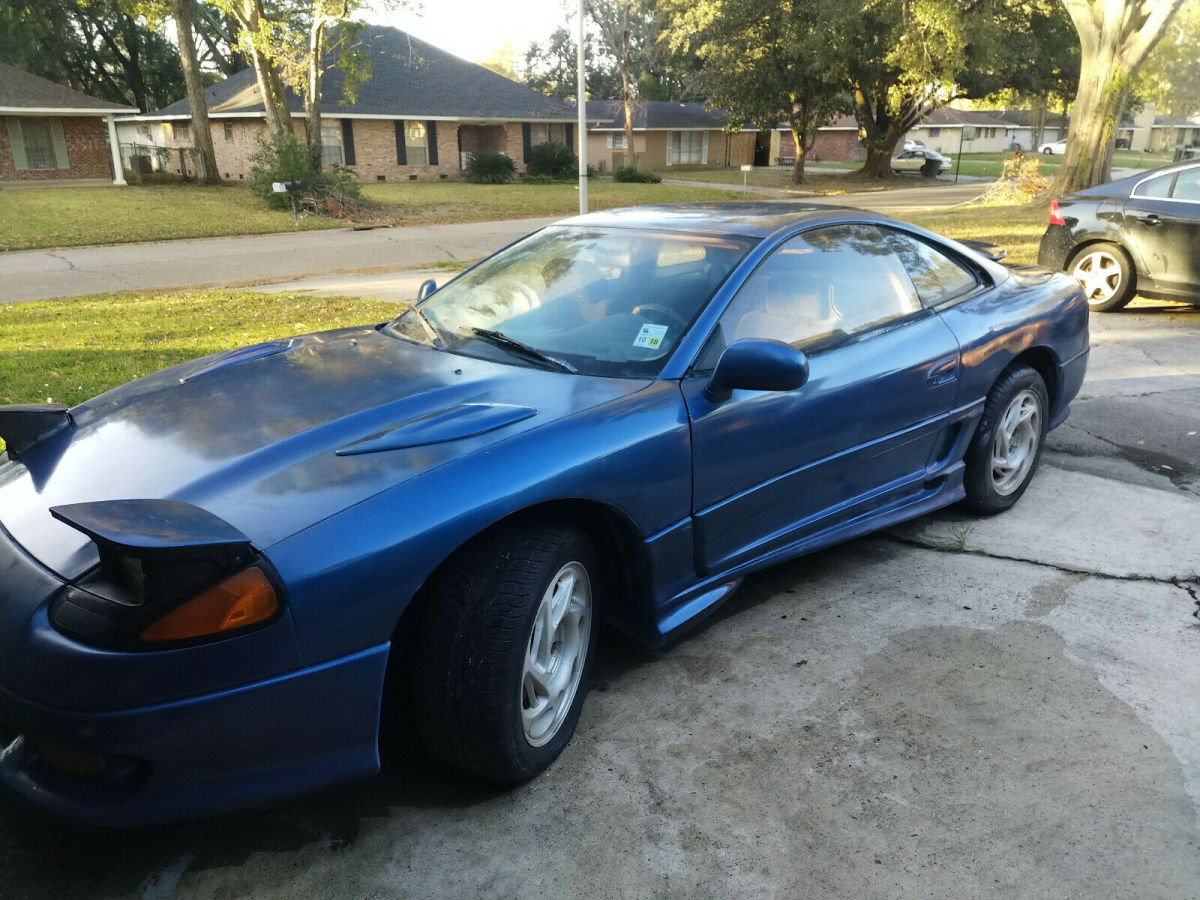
{"x":244,"y":599}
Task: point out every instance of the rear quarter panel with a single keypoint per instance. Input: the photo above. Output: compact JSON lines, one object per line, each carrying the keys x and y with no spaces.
{"x":1033,"y":310}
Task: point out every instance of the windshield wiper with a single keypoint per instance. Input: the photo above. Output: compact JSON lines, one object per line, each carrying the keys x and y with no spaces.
{"x":508,"y":343}
{"x":428,"y":326}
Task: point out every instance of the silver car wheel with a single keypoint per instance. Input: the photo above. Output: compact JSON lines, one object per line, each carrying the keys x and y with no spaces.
{"x":556,"y":654}
{"x":1100,"y":274}
{"x":1015,"y":447}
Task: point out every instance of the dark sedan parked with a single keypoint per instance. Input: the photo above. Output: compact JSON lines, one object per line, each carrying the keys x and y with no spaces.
{"x":1139,"y":234}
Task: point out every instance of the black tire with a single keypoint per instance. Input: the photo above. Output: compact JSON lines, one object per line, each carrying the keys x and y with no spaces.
{"x":930,"y":168}
{"x":1047,"y":151}
{"x":1106,"y":273}
{"x":993,"y":487}
{"x":470,"y":682}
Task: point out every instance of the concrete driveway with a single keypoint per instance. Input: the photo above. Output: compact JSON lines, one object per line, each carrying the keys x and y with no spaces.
{"x":959,"y":707}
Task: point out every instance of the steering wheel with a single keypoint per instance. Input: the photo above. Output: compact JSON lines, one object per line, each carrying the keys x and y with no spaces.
{"x":658,"y":311}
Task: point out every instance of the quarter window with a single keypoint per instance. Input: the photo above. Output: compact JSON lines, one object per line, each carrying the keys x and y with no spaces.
{"x":820,"y":287}
{"x":937,"y":278}
{"x":1155,"y":187}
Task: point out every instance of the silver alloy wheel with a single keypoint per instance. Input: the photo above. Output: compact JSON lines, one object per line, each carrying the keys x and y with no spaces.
{"x":1015,"y":446}
{"x":1100,"y":274}
{"x":556,"y":654}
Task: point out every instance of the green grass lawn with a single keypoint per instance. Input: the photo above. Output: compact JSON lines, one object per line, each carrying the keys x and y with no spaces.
{"x":65,"y":351}
{"x":68,"y":217}
{"x":72,"y":216}
{"x":1018,"y":229}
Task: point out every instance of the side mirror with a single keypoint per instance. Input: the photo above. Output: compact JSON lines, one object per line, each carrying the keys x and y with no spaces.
{"x":428,"y":286}
{"x":756,"y":364}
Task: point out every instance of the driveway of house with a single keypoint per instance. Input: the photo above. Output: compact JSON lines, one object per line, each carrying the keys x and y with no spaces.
{"x":960,"y":707}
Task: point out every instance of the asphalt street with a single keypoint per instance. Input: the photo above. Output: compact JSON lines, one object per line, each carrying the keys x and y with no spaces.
{"x":959,"y":707}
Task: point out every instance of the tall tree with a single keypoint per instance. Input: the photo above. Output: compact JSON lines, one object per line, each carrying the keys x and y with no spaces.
{"x":264,"y":40}
{"x":764,"y":62}
{"x":105,"y":48}
{"x":1170,"y":77}
{"x":1115,"y":37}
{"x":613,"y":19}
{"x":550,"y":68}
{"x":181,"y":12}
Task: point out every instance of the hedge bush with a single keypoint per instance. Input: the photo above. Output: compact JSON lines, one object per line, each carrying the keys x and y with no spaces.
{"x":553,"y":160}
{"x":284,"y":157}
{"x":490,"y":167}
{"x":635,"y":175}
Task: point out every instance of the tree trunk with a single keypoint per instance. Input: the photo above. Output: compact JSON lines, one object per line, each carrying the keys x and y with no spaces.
{"x":1103,"y":84}
{"x":798,"y":138}
{"x":312,"y":102}
{"x":626,"y":94}
{"x":1037,"y":119}
{"x":181,"y":11}
{"x":249,"y":16}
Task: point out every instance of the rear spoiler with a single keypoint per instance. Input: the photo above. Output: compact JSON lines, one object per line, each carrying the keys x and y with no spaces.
{"x":25,"y":425}
{"x":991,"y":251}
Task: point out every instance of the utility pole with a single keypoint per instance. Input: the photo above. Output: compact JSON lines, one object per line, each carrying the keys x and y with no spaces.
{"x":581,"y":103}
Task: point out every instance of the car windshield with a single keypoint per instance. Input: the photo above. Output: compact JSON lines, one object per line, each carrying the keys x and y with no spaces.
{"x":601,"y":301}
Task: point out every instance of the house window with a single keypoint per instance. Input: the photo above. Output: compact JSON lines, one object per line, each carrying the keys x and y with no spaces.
{"x":229,"y":131}
{"x":416,"y":142}
{"x":331,"y":145}
{"x":935,"y":132}
{"x":143,"y":131}
{"x":545,"y":132}
{"x":181,"y":132}
{"x":687,"y":148}
{"x":616,"y":141}
{"x":39,"y":144}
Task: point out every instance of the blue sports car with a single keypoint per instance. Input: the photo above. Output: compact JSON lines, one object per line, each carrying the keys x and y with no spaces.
{"x":216,"y":579}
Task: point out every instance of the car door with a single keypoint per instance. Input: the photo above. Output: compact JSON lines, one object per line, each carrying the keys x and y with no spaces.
{"x":1162,"y":226}
{"x":774,"y":468}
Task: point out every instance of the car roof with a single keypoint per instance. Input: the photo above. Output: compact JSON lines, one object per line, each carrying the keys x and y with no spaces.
{"x":1123,"y":187}
{"x":752,"y":219}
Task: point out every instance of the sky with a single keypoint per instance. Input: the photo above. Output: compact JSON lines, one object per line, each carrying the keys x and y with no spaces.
{"x":477,"y":30}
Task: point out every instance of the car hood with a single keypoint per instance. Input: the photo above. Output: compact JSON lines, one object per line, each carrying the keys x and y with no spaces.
{"x":275,"y":437}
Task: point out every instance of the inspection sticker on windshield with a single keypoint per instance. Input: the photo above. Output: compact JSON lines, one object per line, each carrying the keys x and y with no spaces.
{"x":650,"y":336}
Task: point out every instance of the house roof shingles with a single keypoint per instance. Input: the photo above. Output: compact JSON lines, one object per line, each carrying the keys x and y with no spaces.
{"x":21,"y":91}
{"x":409,"y":79}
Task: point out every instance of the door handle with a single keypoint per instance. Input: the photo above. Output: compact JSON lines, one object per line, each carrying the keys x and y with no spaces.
{"x":943,"y":371}
{"x":1149,"y":219}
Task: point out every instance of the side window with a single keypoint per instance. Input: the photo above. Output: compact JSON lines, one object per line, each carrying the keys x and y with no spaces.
{"x":1187,"y":185}
{"x":820,"y":287}
{"x":937,"y":277}
{"x":1155,"y":187}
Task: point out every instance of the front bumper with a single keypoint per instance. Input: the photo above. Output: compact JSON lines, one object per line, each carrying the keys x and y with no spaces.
{"x":112,"y":738}
{"x":203,"y":755}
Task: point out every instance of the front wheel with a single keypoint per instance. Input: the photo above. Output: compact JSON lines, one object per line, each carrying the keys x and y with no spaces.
{"x":1007,"y":445}
{"x":506,"y":641}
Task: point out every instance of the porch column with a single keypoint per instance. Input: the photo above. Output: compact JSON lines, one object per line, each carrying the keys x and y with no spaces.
{"x":118,"y":170}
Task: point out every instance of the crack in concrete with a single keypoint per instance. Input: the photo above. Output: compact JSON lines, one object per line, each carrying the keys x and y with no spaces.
{"x":61,"y":258}
{"x":1185,"y":583}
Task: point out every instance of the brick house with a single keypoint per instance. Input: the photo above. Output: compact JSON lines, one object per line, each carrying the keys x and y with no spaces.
{"x":665,"y":134}
{"x":49,"y":132}
{"x":419,"y":116}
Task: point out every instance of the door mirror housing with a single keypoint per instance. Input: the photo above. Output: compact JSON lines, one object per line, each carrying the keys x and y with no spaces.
{"x":428,"y":286}
{"x":756,"y":364}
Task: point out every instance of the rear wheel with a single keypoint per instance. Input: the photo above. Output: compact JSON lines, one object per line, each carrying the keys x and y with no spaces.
{"x":506,"y":641}
{"x":1007,"y":445}
{"x":1106,"y":274}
